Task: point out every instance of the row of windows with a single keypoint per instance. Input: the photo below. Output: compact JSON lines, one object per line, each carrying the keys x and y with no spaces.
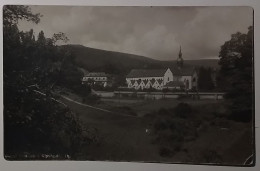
{"x":96,"y":78}
{"x":152,"y":78}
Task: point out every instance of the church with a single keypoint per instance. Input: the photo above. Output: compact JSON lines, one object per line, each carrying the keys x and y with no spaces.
{"x":180,"y":76}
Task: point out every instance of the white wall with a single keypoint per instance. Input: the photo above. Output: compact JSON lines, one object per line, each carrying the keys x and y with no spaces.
{"x":95,"y":78}
{"x":168,"y":76}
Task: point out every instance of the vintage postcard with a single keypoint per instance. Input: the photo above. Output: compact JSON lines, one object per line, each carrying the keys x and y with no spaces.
{"x":138,"y":84}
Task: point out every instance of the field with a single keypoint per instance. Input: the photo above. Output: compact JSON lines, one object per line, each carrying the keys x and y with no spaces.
{"x":125,"y":133}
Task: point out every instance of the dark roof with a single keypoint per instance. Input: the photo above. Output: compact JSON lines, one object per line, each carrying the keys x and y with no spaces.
{"x":138,"y":73}
{"x":96,"y":74}
{"x":174,"y":84}
{"x":183,"y":71}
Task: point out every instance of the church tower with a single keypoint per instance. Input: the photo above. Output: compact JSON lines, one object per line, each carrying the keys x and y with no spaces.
{"x":180,"y":60}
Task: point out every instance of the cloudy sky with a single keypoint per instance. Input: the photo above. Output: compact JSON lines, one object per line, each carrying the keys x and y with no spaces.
{"x":155,"y":32}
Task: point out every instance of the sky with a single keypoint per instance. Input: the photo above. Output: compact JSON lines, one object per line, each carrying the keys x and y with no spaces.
{"x":155,"y":32}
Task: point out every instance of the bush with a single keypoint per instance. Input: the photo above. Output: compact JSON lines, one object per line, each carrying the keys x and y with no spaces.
{"x":183,"y":110}
{"x":41,"y":125}
{"x":172,"y":129}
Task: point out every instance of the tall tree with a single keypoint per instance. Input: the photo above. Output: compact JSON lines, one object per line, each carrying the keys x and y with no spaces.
{"x":236,"y":73}
{"x":34,"y":123}
{"x":41,"y":39}
{"x":205,"y":81}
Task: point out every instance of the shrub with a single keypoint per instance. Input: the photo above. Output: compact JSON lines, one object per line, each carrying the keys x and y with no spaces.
{"x":171,"y":129}
{"x":183,"y":110}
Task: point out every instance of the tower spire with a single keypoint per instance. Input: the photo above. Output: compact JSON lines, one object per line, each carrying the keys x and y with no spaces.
{"x":180,"y":54}
{"x":180,"y":60}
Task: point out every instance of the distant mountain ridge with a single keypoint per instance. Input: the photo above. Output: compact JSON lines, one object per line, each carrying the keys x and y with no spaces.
{"x":113,"y":62}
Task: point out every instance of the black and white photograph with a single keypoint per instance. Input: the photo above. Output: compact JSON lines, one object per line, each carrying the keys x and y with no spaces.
{"x":152,"y":84}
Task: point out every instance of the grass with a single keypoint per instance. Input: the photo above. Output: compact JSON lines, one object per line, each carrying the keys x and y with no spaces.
{"x":124,"y":138}
{"x":121,"y":137}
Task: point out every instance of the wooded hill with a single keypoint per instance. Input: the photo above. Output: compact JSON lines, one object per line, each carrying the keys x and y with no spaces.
{"x":114,"y":62}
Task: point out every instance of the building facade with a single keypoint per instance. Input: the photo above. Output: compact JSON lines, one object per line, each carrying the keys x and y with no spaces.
{"x":146,"y":79}
{"x":97,"y":78}
{"x":177,"y":77}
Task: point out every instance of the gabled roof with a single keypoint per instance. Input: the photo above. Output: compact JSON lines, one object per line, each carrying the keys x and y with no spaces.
{"x":174,"y":84}
{"x":183,"y":71}
{"x":138,"y":73}
{"x":96,"y":74}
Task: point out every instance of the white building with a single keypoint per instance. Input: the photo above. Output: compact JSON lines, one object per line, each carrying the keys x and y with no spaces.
{"x":145,"y":79}
{"x":185,"y":77}
{"x":97,"y":78}
{"x":178,"y":77}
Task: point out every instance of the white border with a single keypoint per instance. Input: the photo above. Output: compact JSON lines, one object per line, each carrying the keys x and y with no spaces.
{"x":127,"y":166}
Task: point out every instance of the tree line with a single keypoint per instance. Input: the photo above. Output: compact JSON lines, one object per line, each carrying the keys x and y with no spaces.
{"x":34,"y":123}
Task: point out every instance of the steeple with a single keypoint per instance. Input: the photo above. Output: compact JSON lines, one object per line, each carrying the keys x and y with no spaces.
{"x":180,"y":54}
{"x":180,"y":60}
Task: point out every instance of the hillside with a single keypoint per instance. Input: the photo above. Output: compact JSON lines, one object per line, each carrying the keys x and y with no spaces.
{"x":114,"y":62}
{"x":213,"y":63}
{"x":204,"y":62}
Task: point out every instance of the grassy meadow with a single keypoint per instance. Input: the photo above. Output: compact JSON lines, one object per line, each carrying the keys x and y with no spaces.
{"x":128,"y":133}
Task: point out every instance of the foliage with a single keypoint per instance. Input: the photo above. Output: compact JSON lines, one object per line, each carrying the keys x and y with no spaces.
{"x":183,"y":110}
{"x":236,"y":74}
{"x":205,"y":81}
{"x":172,"y":128}
{"x":59,"y":37}
{"x":13,"y":13}
{"x":34,"y":122}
